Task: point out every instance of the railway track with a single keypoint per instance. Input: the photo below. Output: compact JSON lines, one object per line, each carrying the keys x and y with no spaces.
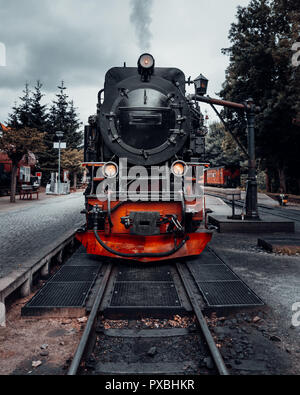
{"x":199,"y":337}
{"x":293,"y":215}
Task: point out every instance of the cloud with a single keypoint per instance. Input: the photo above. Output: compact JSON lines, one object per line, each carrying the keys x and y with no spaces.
{"x":79,"y":41}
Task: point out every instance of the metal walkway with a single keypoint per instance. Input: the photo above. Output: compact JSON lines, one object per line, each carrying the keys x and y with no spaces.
{"x":65,"y":294}
{"x":219,"y":285}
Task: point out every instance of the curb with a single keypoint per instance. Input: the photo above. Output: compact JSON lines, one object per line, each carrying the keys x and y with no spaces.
{"x":22,"y":279}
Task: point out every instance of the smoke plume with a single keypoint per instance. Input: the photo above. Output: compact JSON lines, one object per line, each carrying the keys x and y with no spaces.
{"x":141,"y":19}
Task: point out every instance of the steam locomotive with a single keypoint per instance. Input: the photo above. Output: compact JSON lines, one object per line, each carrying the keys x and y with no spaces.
{"x":143,"y":152}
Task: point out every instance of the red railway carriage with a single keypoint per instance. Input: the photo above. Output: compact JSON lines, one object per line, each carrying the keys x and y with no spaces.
{"x":224,"y":176}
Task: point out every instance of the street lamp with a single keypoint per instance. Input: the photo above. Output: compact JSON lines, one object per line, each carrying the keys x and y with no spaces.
{"x":60,"y":135}
{"x":201,"y":84}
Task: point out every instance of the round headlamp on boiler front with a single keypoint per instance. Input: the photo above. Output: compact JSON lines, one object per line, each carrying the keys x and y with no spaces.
{"x":146,"y":64}
{"x":179,"y":168}
{"x":110,"y":170}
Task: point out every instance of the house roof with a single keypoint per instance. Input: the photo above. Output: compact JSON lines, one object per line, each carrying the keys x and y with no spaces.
{"x":3,"y":127}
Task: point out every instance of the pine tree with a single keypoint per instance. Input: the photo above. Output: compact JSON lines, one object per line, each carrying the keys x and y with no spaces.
{"x":39,"y":119}
{"x":24,"y":110}
{"x":49,"y":163}
{"x":13,"y":118}
{"x":37,"y":109}
{"x":66,"y":119}
{"x":74,"y":137}
{"x":62,"y":116}
{"x":61,"y":108}
{"x":21,"y":115}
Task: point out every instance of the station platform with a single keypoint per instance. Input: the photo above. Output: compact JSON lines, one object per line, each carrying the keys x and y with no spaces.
{"x":263,"y":200}
{"x":229,"y":193}
{"x":280,"y":245}
{"x":32,"y":234}
{"x":219,"y":212}
{"x":217,"y":206}
{"x":266,"y":224}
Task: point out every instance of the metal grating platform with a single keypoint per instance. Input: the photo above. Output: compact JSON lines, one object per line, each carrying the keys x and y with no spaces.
{"x":212,"y":273}
{"x":62,"y":294}
{"x":145,"y":294}
{"x":219,"y":285}
{"x":68,"y":289}
{"x":76,"y":273}
{"x":149,"y":273}
{"x":205,"y":258}
{"x":228,"y":293}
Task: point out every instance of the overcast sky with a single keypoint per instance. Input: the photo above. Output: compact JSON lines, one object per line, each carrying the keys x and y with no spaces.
{"x":79,"y":40}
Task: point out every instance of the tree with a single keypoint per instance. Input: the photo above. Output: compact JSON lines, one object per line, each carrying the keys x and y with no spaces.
{"x":213,"y":143}
{"x":39,"y":119}
{"x":62,"y":116}
{"x":13,"y":120}
{"x":38,"y":111}
{"x":30,"y":112}
{"x":17,"y":143}
{"x":21,"y":115}
{"x":261,"y":67}
{"x":72,"y":160}
{"x":221,"y":148}
{"x":24,"y":110}
{"x":74,"y":137}
{"x":49,"y":161}
{"x":65,"y":119}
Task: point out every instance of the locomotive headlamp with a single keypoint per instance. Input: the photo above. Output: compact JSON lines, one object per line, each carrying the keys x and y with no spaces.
{"x":201,"y":84}
{"x":146,"y":65}
{"x":110,"y":170}
{"x":179,"y":169}
{"x":146,"y":61}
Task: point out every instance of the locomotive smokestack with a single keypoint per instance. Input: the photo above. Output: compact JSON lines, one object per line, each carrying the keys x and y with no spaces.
{"x":141,"y":19}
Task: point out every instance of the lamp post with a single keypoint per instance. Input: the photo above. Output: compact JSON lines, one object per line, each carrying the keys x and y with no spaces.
{"x":251,"y":196}
{"x":59,"y":134}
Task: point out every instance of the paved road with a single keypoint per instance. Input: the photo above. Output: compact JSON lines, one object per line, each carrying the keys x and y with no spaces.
{"x":27,"y":231}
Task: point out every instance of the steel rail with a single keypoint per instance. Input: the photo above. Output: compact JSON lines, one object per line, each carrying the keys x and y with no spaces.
{"x":219,"y":362}
{"x":78,"y":356}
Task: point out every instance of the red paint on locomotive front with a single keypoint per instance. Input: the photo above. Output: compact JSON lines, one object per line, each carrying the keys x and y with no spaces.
{"x":129,"y":244}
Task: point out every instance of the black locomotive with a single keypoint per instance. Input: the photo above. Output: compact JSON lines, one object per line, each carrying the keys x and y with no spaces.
{"x":144,"y":116}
